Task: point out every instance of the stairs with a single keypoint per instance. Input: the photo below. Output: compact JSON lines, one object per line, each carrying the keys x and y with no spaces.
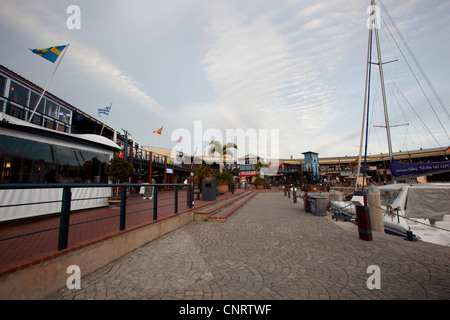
{"x":219,"y":211}
{"x":445,"y":223}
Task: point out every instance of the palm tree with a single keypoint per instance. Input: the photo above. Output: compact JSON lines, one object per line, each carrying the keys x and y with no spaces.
{"x":259,"y":165}
{"x":223,"y":151}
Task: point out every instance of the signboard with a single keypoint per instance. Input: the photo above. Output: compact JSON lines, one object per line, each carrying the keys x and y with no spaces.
{"x":148,"y":193}
{"x":401,"y":169}
{"x":247,"y":173}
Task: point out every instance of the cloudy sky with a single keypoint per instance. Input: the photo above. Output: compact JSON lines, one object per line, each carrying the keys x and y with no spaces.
{"x":291,"y":67}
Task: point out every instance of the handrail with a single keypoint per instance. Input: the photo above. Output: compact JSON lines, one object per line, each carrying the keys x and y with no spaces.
{"x":66,"y":200}
{"x":85,"y":185}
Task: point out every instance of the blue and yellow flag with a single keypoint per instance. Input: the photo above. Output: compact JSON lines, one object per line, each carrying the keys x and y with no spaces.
{"x":51,"y":54}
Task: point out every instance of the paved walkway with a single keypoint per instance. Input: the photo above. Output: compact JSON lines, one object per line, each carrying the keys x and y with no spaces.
{"x":271,"y":249}
{"x":39,"y":246}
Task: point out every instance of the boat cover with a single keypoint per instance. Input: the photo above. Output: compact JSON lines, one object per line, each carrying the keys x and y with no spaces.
{"x":428,"y":202}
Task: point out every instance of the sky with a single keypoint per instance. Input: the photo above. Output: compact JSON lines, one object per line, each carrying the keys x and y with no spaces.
{"x":290,"y":72}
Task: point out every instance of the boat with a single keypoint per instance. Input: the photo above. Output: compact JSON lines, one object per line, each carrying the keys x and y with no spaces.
{"x":415,"y":211}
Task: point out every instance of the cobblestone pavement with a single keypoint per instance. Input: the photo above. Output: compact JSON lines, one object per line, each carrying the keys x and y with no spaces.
{"x":271,"y":249}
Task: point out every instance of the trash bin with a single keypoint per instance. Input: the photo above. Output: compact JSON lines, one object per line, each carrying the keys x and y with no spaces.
{"x":209,"y":190}
{"x":318,"y":205}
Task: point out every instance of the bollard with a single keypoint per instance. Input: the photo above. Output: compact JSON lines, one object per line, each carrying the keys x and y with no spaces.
{"x":410,"y":236}
{"x":376,"y":215}
{"x":306,"y":202}
{"x":294,"y":195}
{"x":363,"y":216}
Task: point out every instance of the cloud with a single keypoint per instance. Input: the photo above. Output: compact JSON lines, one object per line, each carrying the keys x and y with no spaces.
{"x":43,"y":26}
{"x":295,"y":65}
{"x":272,"y":78}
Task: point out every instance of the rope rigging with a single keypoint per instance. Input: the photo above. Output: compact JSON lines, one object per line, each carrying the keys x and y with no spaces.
{"x":420,"y":69}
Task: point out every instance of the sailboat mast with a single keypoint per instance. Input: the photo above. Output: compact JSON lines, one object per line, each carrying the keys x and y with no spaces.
{"x":383,"y":91}
{"x":368,"y":66}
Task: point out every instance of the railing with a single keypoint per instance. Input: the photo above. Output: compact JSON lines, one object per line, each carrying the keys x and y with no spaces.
{"x":23,"y":112}
{"x":163,"y":198}
{"x":142,"y":156}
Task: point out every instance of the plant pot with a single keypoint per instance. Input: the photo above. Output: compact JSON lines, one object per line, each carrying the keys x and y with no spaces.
{"x":223,"y":188}
{"x":260,"y":186}
{"x":114,"y":201}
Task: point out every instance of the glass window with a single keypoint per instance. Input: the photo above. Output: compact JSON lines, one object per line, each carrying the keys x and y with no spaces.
{"x":2,"y":85}
{"x":26,"y":161}
{"x":51,"y":109}
{"x":34,"y":97}
{"x":64,"y":115}
{"x":18,"y":94}
{"x":2,"y":91}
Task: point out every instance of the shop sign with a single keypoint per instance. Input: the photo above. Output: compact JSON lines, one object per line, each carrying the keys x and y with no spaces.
{"x":247,"y":173}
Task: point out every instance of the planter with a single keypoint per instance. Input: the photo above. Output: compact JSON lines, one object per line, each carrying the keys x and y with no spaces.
{"x":223,"y":188}
{"x":260,"y":186}
{"x":114,"y":201}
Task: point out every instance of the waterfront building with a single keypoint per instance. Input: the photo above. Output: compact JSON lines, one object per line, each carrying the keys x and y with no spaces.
{"x":60,"y":144}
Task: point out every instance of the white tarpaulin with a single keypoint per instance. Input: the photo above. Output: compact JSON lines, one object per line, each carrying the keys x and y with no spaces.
{"x":428,"y":202}
{"x":48,"y":201}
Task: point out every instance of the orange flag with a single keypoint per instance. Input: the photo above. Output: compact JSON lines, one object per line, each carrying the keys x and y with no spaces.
{"x":159,"y":130}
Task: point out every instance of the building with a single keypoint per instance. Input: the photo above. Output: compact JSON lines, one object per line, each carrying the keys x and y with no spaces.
{"x":62,"y":143}
{"x":342,"y":170}
{"x":58,"y":145}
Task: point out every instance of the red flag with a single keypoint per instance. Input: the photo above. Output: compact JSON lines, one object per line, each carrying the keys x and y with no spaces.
{"x":159,"y":130}
{"x":447,"y":150}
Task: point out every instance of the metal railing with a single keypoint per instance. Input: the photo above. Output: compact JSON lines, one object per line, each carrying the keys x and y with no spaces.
{"x":171,"y":191}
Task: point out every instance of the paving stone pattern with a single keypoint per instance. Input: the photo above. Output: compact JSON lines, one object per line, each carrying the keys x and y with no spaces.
{"x":271,"y":249}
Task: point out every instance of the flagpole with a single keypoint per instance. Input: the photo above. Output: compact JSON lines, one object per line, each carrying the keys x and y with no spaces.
{"x":48,"y":82}
{"x":106,"y":117}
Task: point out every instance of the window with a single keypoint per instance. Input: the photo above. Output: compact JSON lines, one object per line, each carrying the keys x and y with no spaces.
{"x":2,"y":85}
{"x":26,"y":161}
{"x":64,"y":115}
{"x":18,"y":94}
{"x":2,"y":90}
{"x":51,"y":109}
{"x":34,"y":97}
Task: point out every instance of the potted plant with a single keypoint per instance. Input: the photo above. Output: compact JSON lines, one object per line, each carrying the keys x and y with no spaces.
{"x":202,"y":172}
{"x":118,"y":170}
{"x":224,"y":180}
{"x":260,"y":182}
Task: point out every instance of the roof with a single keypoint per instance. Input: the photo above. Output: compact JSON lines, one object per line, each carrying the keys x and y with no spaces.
{"x":86,"y":138}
